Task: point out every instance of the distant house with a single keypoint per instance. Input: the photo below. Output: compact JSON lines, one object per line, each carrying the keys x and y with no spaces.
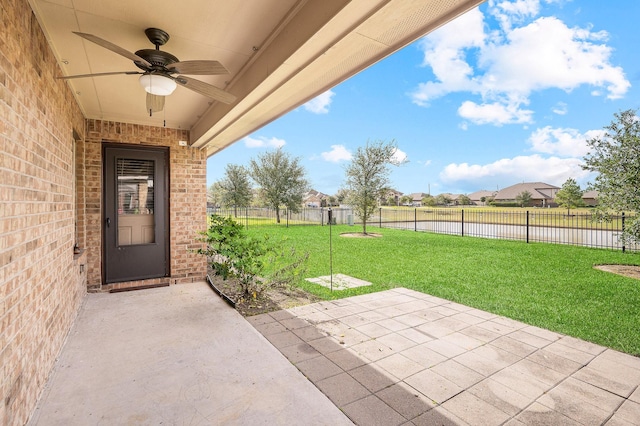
{"x":478,"y":197}
{"x":391,"y":193}
{"x":416,"y":198}
{"x":542,"y":194}
{"x":315,"y":198}
{"x":590,"y":198}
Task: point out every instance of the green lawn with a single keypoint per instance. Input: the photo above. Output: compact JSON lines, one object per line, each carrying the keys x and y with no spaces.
{"x":547,"y":285}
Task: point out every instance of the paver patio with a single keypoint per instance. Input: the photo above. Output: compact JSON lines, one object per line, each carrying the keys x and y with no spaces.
{"x":401,"y":357}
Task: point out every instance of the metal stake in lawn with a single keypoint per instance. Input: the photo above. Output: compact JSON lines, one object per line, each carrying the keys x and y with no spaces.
{"x":330,"y":250}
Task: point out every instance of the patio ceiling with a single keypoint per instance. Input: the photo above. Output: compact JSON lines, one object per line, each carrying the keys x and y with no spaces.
{"x":279,"y":53}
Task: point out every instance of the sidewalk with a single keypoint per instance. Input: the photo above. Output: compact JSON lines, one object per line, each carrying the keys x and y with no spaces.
{"x":401,"y":357}
{"x":175,"y":355}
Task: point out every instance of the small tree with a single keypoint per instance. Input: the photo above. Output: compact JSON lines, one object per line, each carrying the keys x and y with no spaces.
{"x":443,"y":200}
{"x":214,"y":194}
{"x":570,"y":195}
{"x":523,"y":198}
{"x":615,"y":156}
{"x":236,"y":188}
{"x":429,"y":200}
{"x":464,"y":200}
{"x":342,"y":195}
{"x":281,"y":179}
{"x":406,"y":200}
{"x":367,"y":175}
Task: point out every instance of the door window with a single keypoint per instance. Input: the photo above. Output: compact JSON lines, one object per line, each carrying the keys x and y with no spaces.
{"x":135,"y":198}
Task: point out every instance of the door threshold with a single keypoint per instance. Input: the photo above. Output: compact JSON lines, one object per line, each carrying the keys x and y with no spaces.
{"x":139,"y":287}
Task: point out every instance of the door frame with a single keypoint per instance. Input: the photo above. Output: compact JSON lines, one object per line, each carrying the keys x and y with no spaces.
{"x":165,"y":202}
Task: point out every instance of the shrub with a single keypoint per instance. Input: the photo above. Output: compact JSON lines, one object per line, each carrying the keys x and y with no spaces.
{"x":257,"y":263}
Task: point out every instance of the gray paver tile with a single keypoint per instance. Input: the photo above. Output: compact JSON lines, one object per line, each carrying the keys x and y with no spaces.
{"x":577,"y":410}
{"x":433,"y":386}
{"x":399,"y":366}
{"x":468,"y":318}
{"x":530,"y":339}
{"x":316,"y":317}
{"x":481,"y":314}
{"x":284,"y":339}
{"x":342,"y":389}
{"x":372,"y":316}
{"x":555,"y":362}
{"x":513,"y":346}
{"x":497,"y":327}
{"x":318,"y":368}
{"x":390,"y":311}
{"x":424,"y":356}
{"x":293,"y":323}
{"x":635,"y":396}
{"x":582,"y":345}
{"x":372,"y":378}
{"x":629,"y":412}
{"x":405,"y":400}
{"x":616,"y":421}
{"x":396,"y":342}
{"x":444,"y":310}
{"x":520,"y":382}
{"x":445,"y":348}
{"x":355,"y":320}
{"x":538,"y":414}
{"x":299,"y":352}
{"x":481,"y":334}
{"x":260,"y":319}
{"x":540,"y":372}
{"x":346,"y":359}
{"x":282,"y":315}
{"x":457,"y":373}
{"x":270,"y":328}
{"x":373,"y":411}
{"x":324,"y":345}
{"x":392,"y":324}
{"x":340,"y":311}
{"x":428,"y":314}
{"x":439,"y":416}
{"x":350,"y":337}
{"x":500,"y":396}
{"x":622,"y":358}
{"x":415,"y":335}
{"x":411,"y":319}
{"x":372,"y":350}
{"x":543,"y":333}
{"x":373,"y":330}
{"x":475,"y":411}
{"x":332,"y":327}
{"x":577,"y":390}
{"x":308,"y":333}
{"x":462,"y":340}
{"x":582,"y":358}
{"x":412,"y":306}
{"x":487,"y":359}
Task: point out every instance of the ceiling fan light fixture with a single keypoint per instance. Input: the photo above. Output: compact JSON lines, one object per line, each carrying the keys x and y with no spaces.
{"x":157,"y":84}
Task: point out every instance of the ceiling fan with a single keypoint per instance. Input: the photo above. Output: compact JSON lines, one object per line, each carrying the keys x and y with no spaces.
{"x":159,"y":68}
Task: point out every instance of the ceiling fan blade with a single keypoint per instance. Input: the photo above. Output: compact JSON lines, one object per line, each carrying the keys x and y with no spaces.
{"x":198,"y":68}
{"x":112,"y":47}
{"x":67,"y":77}
{"x":155,"y":103}
{"x":205,"y":89}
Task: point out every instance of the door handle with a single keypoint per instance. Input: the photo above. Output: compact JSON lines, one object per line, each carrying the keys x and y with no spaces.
{"x":108,"y":221}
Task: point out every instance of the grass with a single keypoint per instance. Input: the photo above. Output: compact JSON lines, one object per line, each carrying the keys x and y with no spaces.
{"x":546,"y":285}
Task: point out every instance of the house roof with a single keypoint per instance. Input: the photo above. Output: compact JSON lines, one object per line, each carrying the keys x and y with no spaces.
{"x":538,"y":191}
{"x":476,"y":196}
{"x":418,"y":196}
{"x":590,"y":194}
{"x":279,"y":53}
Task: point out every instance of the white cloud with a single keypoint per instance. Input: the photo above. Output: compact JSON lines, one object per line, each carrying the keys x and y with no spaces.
{"x":507,"y":171}
{"x":338,"y":153}
{"x":320,"y":104}
{"x":526,"y":55}
{"x":494,"y":113}
{"x":563,"y":142}
{"x":399,"y":156}
{"x":263,"y":142}
{"x":560,"y":108}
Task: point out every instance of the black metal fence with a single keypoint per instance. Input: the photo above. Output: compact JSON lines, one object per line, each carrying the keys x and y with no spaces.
{"x":537,"y":225}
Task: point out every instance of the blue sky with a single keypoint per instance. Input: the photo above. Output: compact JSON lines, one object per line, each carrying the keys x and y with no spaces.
{"x":508,"y":92}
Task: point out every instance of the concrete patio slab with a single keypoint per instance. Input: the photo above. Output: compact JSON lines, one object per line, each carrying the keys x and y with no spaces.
{"x":410,"y":358}
{"x":178,"y":355}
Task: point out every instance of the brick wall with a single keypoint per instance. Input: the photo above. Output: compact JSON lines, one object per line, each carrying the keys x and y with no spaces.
{"x":41,"y":286}
{"x":187,"y":198}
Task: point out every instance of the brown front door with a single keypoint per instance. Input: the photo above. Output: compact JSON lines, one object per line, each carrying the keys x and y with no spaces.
{"x":135,"y":213}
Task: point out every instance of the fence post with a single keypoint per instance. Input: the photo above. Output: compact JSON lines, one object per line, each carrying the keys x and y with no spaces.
{"x":415,"y":220}
{"x":623,"y":247}
{"x":246,"y":216}
{"x":380,"y":217}
{"x":462,"y":222}
{"x":527,"y":226}
{"x":321,"y":216}
{"x":286,"y":211}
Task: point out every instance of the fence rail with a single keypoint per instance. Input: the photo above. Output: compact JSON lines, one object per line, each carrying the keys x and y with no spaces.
{"x":556,"y":227}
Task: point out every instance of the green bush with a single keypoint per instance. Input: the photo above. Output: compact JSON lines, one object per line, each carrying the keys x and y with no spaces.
{"x":234,"y":254}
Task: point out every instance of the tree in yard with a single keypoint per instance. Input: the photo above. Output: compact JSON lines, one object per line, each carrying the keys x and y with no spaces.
{"x":367,"y":175}
{"x":214,"y":194}
{"x":342,"y":195}
{"x":281,"y":179}
{"x":523,"y":198}
{"x":236,"y":187}
{"x":443,"y":200}
{"x":464,"y":200}
{"x":570,"y":195}
{"x":406,"y":200}
{"x":615,"y":156}
{"x":429,"y":200}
